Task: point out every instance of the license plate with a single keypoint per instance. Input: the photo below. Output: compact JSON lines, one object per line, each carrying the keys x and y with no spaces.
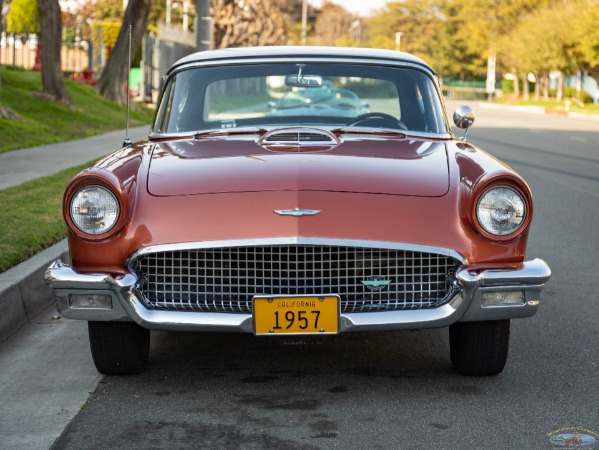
{"x":296,"y":315}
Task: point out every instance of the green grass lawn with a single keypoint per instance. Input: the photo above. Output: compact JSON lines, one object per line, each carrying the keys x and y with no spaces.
{"x":44,"y":122}
{"x":31,"y":214}
{"x":31,"y":217}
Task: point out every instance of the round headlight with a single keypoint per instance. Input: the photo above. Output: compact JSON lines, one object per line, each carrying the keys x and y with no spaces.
{"x":94,"y":210}
{"x":501,"y":211}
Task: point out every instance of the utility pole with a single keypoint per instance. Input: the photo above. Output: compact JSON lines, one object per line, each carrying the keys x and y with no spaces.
{"x":398,"y":36}
{"x":203,"y":25}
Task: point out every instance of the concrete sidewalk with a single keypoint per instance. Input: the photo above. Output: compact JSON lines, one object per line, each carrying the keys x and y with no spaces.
{"x":46,"y":376}
{"x":19,"y":166}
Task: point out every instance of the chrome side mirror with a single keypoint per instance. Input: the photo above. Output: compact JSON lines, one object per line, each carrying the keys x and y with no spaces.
{"x":463,"y":117}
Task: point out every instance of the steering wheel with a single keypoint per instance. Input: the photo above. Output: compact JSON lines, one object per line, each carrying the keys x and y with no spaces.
{"x":377,"y":117}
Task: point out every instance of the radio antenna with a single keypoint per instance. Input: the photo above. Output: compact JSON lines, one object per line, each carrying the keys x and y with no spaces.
{"x":127,"y":140}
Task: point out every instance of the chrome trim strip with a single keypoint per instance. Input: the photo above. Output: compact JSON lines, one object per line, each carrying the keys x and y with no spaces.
{"x":535,"y":272}
{"x":294,"y":240}
{"x":356,"y":133}
{"x":395,"y":320}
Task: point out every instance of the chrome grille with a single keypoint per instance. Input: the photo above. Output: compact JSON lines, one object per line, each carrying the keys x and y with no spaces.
{"x":226,"y":279}
{"x":298,"y":137}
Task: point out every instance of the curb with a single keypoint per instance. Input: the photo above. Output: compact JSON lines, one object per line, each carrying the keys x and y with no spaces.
{"x":539,"y":110}
{"x":23,"y":292}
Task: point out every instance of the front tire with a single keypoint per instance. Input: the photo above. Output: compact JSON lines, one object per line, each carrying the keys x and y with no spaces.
{"x":119,"y":348}
{"x":479,"y":348}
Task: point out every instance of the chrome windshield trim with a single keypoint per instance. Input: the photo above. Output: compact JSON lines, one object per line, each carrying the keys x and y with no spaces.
{"x":347,"y":133}
{"x":294,"y":240}
{"x":400,"y":60}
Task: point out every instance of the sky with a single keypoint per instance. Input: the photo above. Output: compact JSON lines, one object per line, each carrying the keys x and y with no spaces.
{"x":361,"y":7}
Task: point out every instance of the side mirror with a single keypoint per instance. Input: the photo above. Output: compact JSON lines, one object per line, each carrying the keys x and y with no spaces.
{"x":463,"y":117}
{"x":271,"y":105}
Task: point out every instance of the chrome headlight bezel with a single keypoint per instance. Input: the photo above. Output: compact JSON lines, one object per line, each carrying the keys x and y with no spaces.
{"x":501,"y":211}
{"x":102,"y":212}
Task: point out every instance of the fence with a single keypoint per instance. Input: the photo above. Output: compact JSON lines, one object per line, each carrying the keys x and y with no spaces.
{"x":21,"y":49}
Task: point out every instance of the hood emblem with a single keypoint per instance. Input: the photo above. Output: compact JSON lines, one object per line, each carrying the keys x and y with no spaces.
{"x":296,"y":212}
{"x":376,"y":283}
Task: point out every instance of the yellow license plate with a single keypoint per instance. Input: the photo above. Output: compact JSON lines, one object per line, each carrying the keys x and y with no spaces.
{"x":296,"y":315}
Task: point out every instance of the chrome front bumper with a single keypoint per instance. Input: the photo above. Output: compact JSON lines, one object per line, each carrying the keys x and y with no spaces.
{"x":466,"y":305}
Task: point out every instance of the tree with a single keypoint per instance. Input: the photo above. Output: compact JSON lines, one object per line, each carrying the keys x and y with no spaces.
{"x":292,"y":13}
{"x":548,"y":40}
{"x":333,"y":23}
{"x":5,"y":113}
{"x":246,"y":24}
{"x":113,"y":81}
{"x":418,"y":20}
{"x":51,"y":43}
{"x":23,"y":17}
{"x":589,"y":42}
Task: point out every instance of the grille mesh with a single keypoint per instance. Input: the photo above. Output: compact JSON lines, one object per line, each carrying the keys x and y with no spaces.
{"x":226,"y":279}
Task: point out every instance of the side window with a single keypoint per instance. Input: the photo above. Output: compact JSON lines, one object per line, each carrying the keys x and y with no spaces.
{"x":164,"y":111}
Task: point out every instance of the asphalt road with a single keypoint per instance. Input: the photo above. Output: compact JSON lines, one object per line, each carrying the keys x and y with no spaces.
{"x":394,"y":390}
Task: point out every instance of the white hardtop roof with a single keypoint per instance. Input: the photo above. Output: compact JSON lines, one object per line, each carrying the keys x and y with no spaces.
{"x":294,"y":53}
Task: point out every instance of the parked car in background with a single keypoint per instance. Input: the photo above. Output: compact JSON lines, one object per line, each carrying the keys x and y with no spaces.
{"x":240,"y":216}
{"x":322,"y":101}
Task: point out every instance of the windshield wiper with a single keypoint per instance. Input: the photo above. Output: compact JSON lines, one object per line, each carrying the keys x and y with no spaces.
{"x":227,"y":132}
{"x":383,"y":132}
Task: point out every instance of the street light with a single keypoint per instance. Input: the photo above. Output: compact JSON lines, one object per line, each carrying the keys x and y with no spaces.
{"x":398,"y":36}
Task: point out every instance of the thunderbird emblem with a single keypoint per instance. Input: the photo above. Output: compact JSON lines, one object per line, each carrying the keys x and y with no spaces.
{"x":376,"y":283}
{"x":296,"y":212}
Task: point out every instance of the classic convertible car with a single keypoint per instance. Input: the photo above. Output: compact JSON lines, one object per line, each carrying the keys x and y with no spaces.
{"x":231,"y":219}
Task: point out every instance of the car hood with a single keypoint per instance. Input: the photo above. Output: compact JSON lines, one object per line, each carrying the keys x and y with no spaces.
{"x":402,"y":166}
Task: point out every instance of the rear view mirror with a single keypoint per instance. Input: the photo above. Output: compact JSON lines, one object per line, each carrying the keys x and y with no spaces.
{"x":307,"y":81}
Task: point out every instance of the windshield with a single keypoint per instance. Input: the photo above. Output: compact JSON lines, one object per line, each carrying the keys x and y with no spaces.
{"x":316,"y":94}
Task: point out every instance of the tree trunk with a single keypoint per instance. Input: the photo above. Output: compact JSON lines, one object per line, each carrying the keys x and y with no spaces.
{"x":546,"y":86}
{"x":525,"y":87}
{"x":593,"y":72}
{"x":516,"y":84}
{"x":559,"y":94}
{"x":51,"y":41}
{"x":5,"y":113}
{"x":1,"y":22}
{"x":113,"y":82}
